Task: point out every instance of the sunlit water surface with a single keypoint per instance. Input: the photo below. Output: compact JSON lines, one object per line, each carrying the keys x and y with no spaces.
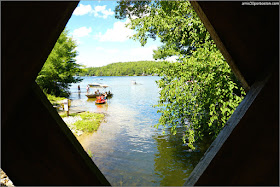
{"x":127,"y":148}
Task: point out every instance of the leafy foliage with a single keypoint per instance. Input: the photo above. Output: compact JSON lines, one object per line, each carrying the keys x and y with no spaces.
{"x":124,"y":68}
{"x":54,"y":100}
{"x":202,"y":96}
{"x":175,"y":23}
{"x":199,"y":91}
{"x":59,"y":69}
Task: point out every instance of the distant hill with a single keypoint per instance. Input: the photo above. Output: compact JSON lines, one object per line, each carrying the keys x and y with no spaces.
{"x":125,"y":68}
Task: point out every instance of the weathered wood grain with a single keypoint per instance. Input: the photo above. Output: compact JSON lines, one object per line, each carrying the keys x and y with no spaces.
{"x":220,"y":45}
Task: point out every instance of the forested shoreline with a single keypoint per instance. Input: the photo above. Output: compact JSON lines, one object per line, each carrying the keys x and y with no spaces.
{"x":125,"y":69}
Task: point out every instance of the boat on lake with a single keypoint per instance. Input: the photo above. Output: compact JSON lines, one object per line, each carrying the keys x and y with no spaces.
{"x":97,"y":89}
{"x":133,"y":82}
{"x":94,"y":84}
{"x":100,"y":100}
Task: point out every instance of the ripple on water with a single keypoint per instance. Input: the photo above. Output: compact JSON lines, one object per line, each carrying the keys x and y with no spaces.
{"x":127,"y":148}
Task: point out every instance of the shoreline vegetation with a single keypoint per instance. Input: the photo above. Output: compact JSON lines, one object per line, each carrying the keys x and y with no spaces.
{"x":78,"y":123}
{"x":139,"y":68}
{"x":88,"y":122}
{"x":84,"y":122}
{"x":81,"y":124}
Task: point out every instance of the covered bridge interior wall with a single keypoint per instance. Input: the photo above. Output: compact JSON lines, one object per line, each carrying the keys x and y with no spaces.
{"x":39,"y":149}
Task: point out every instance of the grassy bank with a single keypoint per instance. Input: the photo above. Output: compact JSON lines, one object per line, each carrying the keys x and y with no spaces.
{"x":78,"y":122}
{"x":83,"y":122}
{"x":90,"y":121}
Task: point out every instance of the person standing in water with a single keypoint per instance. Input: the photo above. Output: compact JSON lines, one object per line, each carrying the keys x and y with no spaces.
{"x":87,"y":88}
{"x":79,"y":89}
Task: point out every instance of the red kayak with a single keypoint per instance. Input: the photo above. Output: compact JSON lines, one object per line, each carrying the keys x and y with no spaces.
{"x":100,"y":100}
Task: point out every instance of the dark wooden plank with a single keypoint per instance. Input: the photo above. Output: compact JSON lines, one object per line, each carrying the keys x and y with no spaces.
{"x":250,"y":34}
{"x":220,"y":45}
{"x":39,"y":149}
{"x":29,"y":32}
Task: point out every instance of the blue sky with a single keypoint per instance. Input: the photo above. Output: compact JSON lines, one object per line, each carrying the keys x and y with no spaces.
{"x":102,"y":39}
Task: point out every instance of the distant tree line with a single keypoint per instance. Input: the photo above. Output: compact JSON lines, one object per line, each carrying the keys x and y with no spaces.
{"x":125,"y":68}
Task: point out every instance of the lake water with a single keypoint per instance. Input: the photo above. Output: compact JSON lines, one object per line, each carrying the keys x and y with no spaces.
{"x":127,"y":148}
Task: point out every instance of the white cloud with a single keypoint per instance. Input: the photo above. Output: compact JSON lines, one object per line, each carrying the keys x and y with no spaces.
{"x":99,"y":48}
{"x":112,"y":51}
{"x":100,"y":11}
{"x":119,"y":33}
{"x":143,"y":51}
{"x":81,"y":32}
{"x":99,"y":8}
{"x":82,"y":10}
{"x":172,"y":59}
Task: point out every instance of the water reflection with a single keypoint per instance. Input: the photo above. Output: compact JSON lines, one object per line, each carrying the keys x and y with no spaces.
{"x":79,"y":95}
{"x":122,"y":149}
{"x":174,"y":161}
{"x":100,"y":108}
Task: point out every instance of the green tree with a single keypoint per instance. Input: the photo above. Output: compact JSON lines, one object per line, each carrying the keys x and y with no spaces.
{"x":124,"y":68}
{"x":58,"y":71}
{"x":199,"y":91}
